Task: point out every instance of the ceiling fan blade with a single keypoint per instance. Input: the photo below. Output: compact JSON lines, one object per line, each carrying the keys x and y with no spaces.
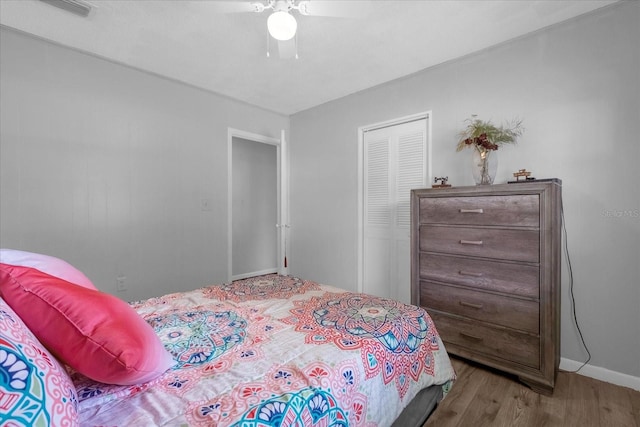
{"x":332,"y":8}
{"x":228,"y":6}
{"x":287,"y":48}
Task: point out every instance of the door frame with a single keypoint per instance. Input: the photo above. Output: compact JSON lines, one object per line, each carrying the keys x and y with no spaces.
{"x":426,"y":115}
{"x":281,"y":194}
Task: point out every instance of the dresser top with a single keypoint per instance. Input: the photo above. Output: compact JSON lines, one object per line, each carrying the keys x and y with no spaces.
{"x":520,"y":187}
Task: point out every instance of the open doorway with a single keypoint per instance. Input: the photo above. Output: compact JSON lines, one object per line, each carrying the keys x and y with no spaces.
{"x":255,"y":205}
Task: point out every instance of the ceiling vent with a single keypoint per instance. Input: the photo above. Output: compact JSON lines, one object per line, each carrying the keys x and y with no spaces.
{"x":78,"y":7}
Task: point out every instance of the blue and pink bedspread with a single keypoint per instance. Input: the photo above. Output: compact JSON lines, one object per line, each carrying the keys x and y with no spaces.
{"x":276,"y":350}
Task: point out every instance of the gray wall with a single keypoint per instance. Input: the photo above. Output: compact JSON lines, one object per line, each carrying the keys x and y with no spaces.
{"x":106,"y":167}
{"x":577,"y":88}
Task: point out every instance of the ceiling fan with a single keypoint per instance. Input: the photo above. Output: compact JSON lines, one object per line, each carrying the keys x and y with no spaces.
{"x":282,"y":24}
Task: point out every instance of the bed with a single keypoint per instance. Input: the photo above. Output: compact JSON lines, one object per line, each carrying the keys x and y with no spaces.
{"x":264,"y":351}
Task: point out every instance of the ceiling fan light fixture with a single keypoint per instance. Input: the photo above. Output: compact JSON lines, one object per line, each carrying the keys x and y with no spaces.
{"x":282,"y":25}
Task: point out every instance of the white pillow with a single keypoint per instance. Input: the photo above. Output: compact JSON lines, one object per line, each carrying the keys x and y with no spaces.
{"x":47,"y":264}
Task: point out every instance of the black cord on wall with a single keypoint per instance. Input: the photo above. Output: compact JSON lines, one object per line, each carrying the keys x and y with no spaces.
{"x":573,"y":300}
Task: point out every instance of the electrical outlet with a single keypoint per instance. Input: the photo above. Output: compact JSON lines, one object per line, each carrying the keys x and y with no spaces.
{"x":206,"y":205}
{"x":121,"y":284}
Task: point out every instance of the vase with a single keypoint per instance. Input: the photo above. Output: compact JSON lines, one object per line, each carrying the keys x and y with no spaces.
{"x":484,"y":166}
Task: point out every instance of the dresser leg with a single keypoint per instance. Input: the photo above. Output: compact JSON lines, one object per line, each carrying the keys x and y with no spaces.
{"x":543,"y":389}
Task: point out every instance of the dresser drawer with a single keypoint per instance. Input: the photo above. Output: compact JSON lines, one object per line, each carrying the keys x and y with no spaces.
{"x":515,"y":279}
{"x":479,"y":338}
{"x":500,"y":310}
{"x":516,"y":245}
{"x":513,"y":210}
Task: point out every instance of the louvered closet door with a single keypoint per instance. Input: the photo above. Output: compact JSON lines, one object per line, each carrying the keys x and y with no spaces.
{"x":395,"y":161}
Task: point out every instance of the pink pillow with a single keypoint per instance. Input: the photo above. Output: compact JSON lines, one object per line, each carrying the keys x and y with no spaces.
{"x":48,"y":264}
{"x":95,"y":333}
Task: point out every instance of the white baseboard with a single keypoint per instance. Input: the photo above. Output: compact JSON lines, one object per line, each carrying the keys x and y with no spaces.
{"x":254,"y":274}
{"x":601,"y":374}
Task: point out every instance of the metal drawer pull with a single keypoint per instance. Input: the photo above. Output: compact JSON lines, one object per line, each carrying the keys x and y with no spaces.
{"x":471,"y":211}
{"x":468,"y":304}
{"x":472,"y":337}
{"x":471,"y":242}
{"x":469,"y":273}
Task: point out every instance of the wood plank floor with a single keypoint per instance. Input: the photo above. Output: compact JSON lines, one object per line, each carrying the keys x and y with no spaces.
{"x":484,"y":397}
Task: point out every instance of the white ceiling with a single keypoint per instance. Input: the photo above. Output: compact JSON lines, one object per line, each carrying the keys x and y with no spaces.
{"x":226,"y":53}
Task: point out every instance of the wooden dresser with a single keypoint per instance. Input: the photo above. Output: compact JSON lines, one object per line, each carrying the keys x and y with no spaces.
{"x":485,"y":264}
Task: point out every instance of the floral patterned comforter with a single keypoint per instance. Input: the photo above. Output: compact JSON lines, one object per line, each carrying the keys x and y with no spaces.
{"x":276,"y":351}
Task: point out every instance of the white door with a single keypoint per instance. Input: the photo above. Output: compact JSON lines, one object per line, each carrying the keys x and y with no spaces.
{"x":395,"y":161}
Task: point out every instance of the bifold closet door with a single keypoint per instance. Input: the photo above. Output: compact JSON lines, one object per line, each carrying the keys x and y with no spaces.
{"x":395,"y":161}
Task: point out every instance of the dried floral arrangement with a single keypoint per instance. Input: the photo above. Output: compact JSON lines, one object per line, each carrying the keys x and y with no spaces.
{"x":484,"y":135}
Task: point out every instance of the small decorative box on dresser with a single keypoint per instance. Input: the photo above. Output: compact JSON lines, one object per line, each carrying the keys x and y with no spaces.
{"x":485,"y":264}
